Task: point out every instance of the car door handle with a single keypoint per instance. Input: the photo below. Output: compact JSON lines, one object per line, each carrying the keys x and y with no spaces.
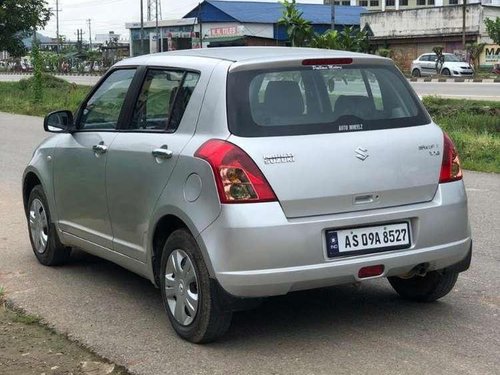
{"x":162,"y":153}
{"x":100,"y":149}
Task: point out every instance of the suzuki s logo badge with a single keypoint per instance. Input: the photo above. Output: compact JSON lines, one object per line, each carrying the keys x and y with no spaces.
{"x":361,"y":153}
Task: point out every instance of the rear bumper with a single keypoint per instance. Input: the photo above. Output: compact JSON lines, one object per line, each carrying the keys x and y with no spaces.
{"x":255,"y":251}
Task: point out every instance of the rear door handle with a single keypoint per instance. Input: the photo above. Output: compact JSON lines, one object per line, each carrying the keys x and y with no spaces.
{"x":162,"y":153}
{"x":100,"y":148}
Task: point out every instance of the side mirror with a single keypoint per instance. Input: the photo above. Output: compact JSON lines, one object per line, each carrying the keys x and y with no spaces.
{"x":58,"y":122}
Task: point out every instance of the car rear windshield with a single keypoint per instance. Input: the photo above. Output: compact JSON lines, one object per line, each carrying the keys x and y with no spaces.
{"x":320,"y":99}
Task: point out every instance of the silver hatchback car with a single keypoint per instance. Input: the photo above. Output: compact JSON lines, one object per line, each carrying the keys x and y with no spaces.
{"x":227,"y":175}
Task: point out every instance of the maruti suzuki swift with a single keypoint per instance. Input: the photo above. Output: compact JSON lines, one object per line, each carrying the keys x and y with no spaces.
{"x":227,"y":175}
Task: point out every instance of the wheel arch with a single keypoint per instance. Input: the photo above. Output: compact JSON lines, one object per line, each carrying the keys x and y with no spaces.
{"x":165,"y":225}
{"x":30,"y":180}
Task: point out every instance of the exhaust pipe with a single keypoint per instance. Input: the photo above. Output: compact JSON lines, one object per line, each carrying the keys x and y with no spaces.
{"x":419,"y":270}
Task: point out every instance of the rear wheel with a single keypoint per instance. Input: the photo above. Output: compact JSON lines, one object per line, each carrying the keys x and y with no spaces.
{"x":415,"y":73}
{"x":428,"y":288}
{"x":44,"y":240}
{"x":191,"y":300}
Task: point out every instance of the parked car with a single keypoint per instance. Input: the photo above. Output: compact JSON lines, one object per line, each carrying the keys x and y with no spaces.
{"x":425,"y":65}
{"x":227,"y":175}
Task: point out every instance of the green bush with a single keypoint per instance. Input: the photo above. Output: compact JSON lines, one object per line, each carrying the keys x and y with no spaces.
{"x":474,"y":127}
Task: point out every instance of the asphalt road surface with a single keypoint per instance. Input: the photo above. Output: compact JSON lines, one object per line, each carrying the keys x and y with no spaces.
{"x":455,"y":90}
{"x":341,"y":330}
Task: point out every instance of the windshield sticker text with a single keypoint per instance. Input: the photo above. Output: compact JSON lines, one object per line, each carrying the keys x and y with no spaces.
{"x":344,"y":128}
{"x":326,"y":67}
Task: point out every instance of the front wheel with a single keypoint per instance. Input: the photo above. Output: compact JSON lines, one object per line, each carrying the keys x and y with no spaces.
{"x":415,"y":73}
{"x":190,"y":298}
{"x":428,"y":288}
{"x":446,"y":72}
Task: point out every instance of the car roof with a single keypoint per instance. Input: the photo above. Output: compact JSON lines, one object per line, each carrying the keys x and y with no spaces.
{"x":238,"y":54}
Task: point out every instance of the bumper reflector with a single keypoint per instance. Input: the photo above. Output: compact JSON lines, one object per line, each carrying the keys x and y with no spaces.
{"x":371,"y":271}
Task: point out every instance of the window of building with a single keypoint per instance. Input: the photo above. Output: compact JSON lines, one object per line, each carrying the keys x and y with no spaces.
{"x":453,"y":2}
{"x":430,"y":2}
{"x":374,"y":3}
{"x":363,"y":3}
{"x":390,"y":3}
{"x":403,"y":3}
{"x":420,"y":2}
{"x":346,"y":3}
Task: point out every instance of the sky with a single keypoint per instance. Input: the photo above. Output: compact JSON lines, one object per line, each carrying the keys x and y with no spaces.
{"x":111,"y":15}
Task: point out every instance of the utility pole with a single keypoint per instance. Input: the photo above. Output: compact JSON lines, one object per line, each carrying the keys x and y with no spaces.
{"x":57,"y":26}
{"x":142,"y":27}
{"x":332,"y":4}
{"x":157,"y":29}
{"x":464,"y":11}
{"x":89,"y":22}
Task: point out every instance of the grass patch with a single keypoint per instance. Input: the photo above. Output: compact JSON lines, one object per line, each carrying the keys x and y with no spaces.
{"x":17,"y":97}
{"x":2,"y":294}
{"x":25,"y":318}
{"x":474,"y":127}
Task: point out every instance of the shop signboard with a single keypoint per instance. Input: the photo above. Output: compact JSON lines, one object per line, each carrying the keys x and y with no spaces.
{"x":227,"y":31}
{"x":490,"y":55}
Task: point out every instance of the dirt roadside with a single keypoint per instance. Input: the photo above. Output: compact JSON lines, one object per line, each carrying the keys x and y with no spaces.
{"x":28,"y":347}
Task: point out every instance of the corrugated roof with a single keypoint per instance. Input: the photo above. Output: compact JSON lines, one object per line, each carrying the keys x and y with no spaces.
{"x":258,"y":12}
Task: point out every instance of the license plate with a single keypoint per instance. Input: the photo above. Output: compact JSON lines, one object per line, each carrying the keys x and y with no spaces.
{"x":367,"y":239}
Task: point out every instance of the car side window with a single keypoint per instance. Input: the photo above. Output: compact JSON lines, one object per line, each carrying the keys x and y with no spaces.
{"x":102,"y":110}
{"x":163,"y":98}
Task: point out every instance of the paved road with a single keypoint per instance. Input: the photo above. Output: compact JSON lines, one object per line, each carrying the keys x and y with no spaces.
{"x":341,"y":330}
{"x":458,"y":90}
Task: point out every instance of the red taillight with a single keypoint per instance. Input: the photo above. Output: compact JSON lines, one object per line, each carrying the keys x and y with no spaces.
{"x":238,"y":178}
{"x":334,"y":61}
{"x":371,"y":271}
{"x":450,"y":167}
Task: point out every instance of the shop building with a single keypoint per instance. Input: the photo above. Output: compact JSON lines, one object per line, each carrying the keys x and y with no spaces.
{"x":412,"y":32}
{"x":233,"y":23}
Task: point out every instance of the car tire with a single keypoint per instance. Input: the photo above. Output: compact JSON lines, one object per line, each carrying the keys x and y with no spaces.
{"x":43,"y":235}
{"x":210,"y":319}
{"x":416,"y":73}
{"x":446,"y":72}
{"x":428,"y":288}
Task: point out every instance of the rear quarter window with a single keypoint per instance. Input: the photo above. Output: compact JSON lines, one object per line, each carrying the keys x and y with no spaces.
{"x":306,"y":100}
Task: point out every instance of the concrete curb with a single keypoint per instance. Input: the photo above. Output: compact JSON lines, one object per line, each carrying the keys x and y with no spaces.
{"x":55,"y":74}
{"x":453,"y":80}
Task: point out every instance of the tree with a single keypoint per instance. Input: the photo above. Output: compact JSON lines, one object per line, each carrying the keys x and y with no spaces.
{"x":298,"y":29}
{"x":493,"y":29}
{"x":300,"y":33}
{"x":474,"y":51}
{"x":346,"y":40}
{"x":438,"y":50}
{"x":18,"y":19}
